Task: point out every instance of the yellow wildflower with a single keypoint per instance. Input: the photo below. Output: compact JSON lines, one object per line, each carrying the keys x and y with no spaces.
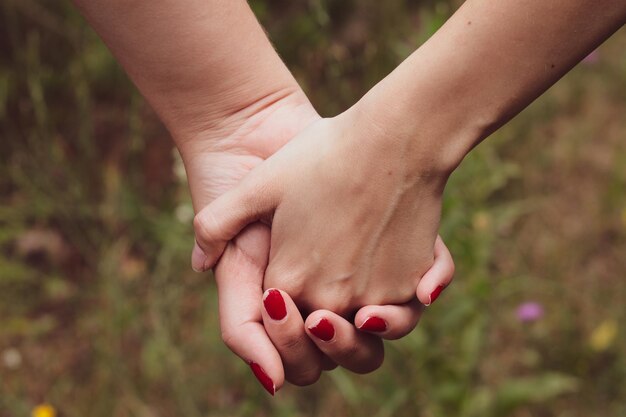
{"x":44,"y":410}
{"x":603,"y":336}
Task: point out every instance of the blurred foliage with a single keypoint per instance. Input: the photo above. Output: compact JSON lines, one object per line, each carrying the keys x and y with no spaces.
{"x":100,"y":314}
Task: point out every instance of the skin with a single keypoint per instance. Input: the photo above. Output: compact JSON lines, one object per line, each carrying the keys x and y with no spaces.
{"x":377,"y":172}
{"x":227,"y":113}
{"x":367,"y":203}
{"x":486,"y":64}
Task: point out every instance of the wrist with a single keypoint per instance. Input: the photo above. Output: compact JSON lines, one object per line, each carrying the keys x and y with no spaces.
{"x":193,"y":114}
{"x":246,"y":128}
{"x":430,"y":142}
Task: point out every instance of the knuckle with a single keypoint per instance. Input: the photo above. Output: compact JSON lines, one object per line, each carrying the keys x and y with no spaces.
{"x":230,"y":338}
{"x":275,"y":279}
{"x":451,"y":270}
{"x":289,"y":282}
{"x":447,"y":273}
{"x":205,"y":226}
{"x":340,"y":304}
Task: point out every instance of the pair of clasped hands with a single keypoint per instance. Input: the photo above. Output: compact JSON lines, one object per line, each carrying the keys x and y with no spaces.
{"x":322,"y":233}
{"x":322,"y":238}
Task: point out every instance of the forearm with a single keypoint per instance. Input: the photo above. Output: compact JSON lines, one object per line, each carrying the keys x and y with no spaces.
{"x":197,"y":62}
{"x":487,"y":63}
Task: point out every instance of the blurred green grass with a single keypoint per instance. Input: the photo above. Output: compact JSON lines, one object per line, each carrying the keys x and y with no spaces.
{"x":100,"y":313}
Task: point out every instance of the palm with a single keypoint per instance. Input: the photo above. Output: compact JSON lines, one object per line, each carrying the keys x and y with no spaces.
{"x":214,"y":170}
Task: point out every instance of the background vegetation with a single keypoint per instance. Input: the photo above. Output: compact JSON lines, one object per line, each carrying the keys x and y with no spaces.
{"x":100,"y":314}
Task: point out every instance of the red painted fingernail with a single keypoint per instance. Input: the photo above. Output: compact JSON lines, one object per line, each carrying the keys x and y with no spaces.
{"x":275,"y":305}
{"x":435,"y":294}
{"x":323,"y":330}
{"x":374,"y":324}
{"x":263,"y":378}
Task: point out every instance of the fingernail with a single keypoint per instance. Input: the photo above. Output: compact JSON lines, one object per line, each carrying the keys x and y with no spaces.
{"x":435,"y":294}
{"x":323,"y":330}
{"x":198,"y":259}
{"x":374,"y":324}
{"x":263,"y":378}
{"x":274,"y":304}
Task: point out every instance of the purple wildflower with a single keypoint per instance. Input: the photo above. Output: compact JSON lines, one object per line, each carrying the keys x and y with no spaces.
{"x":529,"y":311}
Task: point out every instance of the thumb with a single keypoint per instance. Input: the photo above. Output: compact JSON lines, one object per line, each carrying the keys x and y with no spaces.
{"x":219,"y":222}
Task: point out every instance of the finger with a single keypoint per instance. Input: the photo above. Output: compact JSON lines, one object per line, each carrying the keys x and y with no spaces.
{"x":255,"y":197}
{"x":438,"y":277}
{"x":389,"y":321}
{"x":343,"y":343}
{"x":302,"y":360}
{"x":239,"y":277}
